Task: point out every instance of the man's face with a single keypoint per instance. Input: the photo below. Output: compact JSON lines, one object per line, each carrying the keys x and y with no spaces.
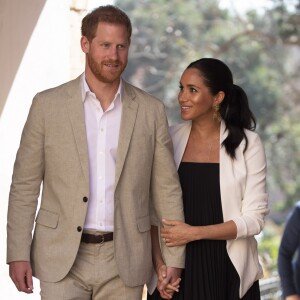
{"x":107,"y":53}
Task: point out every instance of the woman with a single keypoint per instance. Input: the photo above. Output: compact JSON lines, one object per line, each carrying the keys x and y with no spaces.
{"x":222,"y":169}
{"x":289,"y":269}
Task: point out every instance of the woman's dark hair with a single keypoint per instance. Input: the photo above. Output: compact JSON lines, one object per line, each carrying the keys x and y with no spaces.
{"x":234,"y":109}
{"x":107,"y":13}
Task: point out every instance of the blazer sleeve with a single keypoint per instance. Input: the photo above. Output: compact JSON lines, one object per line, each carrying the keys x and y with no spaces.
{"x":166,"y":193}
{"x":25,"y":187}
{"x":290,"y":243}
{"x":254,"y":206}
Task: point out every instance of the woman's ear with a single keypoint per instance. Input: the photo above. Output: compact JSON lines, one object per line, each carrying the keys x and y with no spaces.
{"x":219,"y":97}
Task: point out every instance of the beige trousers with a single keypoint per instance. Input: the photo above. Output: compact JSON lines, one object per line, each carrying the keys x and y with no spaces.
{"x":94,"y":275}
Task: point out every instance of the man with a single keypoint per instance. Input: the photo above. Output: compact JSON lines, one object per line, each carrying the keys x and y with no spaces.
{"x":101,"y":149}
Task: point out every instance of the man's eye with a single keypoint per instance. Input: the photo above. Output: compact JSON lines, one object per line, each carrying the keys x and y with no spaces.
{"x":121,"y":46}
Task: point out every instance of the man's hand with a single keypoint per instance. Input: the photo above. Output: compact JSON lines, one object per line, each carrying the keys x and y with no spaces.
{"x":21,"y":274}
{"x":293,"y":297}
{"x":168,"y":281}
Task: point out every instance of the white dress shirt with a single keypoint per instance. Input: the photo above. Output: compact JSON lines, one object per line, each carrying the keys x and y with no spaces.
{"x":102,"y":128}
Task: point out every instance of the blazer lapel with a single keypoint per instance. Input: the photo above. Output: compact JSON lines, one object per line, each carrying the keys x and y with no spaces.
{"x":76,"y":115}
{"x":129,"y":113}
{"x":180,"y":135}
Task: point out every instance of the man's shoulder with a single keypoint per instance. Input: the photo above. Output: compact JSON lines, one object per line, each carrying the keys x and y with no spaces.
{"x":140,"y":95}
{"x":297,"y":207}
{"x":62,"y":88}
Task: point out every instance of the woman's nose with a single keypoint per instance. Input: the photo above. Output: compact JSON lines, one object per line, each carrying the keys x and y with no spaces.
{"x":181,"y":98}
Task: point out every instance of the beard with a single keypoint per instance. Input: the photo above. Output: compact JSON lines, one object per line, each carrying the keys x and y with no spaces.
{"x":102,"y":72}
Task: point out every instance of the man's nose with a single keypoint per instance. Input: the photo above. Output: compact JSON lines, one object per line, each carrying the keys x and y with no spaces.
{"x":113,"y":53}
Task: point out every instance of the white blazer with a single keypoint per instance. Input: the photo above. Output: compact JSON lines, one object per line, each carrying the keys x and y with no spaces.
{"x":243,"y":196}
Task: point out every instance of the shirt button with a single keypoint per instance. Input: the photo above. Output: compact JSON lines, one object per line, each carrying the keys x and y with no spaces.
{"x":85,"y":199}
{"x":79,"y":228}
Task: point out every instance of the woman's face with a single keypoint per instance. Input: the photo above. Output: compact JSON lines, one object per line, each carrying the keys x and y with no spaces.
{"x":195,"y":99}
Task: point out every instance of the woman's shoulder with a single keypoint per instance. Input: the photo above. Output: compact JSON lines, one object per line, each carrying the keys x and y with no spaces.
{"x":252,"y":137}
{"x":297,"y":207}
{"x":179,"y":129}
{"x":251,"y":134}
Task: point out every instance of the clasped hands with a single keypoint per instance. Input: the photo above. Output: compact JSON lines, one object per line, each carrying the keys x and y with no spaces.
{"x":168,"y":281}
{"x":174,"y":234}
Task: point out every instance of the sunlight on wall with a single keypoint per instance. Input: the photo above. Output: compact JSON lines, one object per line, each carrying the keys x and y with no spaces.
{"x":45,"y":64}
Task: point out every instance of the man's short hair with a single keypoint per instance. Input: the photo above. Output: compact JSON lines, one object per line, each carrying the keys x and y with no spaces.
{"x":109,"y":14}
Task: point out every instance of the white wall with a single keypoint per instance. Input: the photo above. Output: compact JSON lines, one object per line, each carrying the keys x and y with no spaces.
{"x":45,"y":63}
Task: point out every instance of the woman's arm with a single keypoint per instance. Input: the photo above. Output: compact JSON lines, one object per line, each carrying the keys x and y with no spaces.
{"x":251,"y":179}
{"x":179,"y":233}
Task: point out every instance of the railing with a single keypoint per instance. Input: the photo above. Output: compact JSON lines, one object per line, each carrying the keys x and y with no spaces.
{"x":270,"y":288}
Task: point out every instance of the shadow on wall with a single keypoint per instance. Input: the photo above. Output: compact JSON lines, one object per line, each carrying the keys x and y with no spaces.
{"x":17,"y":22}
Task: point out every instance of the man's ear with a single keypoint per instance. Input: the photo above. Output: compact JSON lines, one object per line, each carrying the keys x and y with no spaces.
{"x":85,"y":44}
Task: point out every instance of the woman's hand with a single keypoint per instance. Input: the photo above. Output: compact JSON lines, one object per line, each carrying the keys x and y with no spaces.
{"x":176,"y":233}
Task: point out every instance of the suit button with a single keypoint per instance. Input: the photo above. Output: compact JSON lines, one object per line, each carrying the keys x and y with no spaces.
{"x":85,"y":199}
{"x":79,"y":228}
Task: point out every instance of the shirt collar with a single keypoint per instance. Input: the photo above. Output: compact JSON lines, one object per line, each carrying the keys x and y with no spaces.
{"x":85,"y":89}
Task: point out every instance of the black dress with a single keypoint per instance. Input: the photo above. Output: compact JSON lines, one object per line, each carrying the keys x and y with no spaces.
{"x":209,"y":273}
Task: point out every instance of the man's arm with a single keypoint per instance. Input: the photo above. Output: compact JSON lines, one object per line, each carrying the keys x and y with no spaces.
{"x":168,"y":277}
{"x":23,"y":198}
{"x":288,"y":247}
{"x":166,"y":193}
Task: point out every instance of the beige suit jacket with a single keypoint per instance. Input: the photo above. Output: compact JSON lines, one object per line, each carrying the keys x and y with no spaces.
{"x":53,"y":152}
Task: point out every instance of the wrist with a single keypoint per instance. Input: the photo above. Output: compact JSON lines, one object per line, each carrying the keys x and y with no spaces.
{"x":158,"y":264}
{"x":197,"y":233}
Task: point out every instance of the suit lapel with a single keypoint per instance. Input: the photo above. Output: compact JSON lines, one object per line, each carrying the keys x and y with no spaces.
{"x":76,"y":115}
{"x":129,"y":113}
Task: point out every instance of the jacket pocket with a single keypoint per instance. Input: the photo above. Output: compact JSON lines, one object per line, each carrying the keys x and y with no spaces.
{"x":47,"y":218}
{"x":144,"y":224}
